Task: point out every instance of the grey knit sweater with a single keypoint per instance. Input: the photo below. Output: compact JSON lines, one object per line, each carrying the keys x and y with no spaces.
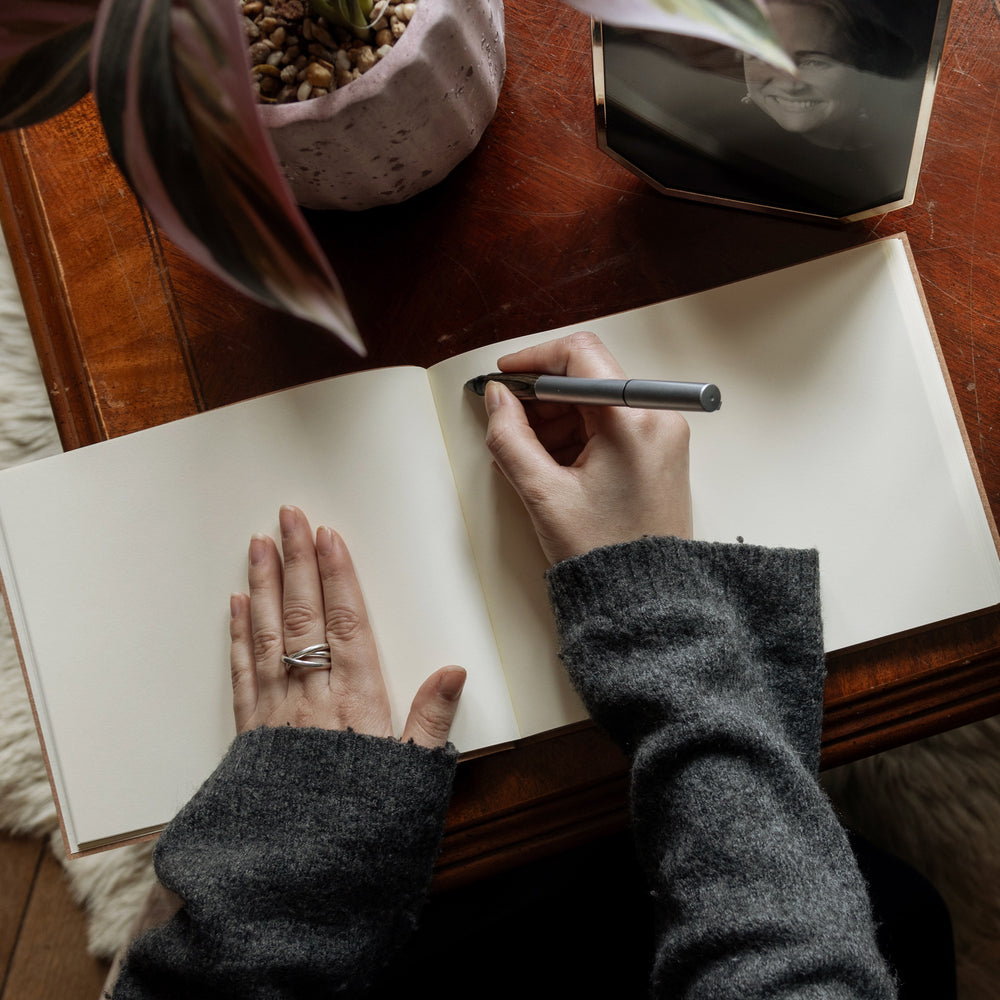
{"x":706,"y":663}
{"x":304,"y":860}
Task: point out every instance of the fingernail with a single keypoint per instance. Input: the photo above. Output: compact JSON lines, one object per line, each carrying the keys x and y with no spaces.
{"x":258,"y":549}
{"x":234,"y":605}
{"x":324,"y":541}
{"x":451,"y":683}
{"x":287,"y":518}
{"x":493,"y":396}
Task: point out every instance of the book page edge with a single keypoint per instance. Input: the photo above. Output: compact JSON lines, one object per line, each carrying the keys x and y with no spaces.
{"x":949,"y":385}
{"x":68,"y":842}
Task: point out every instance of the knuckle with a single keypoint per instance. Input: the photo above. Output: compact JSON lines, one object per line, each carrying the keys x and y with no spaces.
{"x":583,"y":339}
{"x":502,"y":445}
{"x":497,"y":438}
{"x":299,"y":618}
{"x":427,"y":734}
{"x":435,"y":721}
{"x":344,"y":624}
{"x":267,"y":642}
{"x":239,"y":677}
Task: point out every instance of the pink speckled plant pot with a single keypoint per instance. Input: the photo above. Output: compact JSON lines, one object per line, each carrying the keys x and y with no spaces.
{"x":406,"y":123}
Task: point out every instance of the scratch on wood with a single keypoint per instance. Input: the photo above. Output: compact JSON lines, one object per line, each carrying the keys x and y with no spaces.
{"x":973,"y":256}
{"x":470,"y":275}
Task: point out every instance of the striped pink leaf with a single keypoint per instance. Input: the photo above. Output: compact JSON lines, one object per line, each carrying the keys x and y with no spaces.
{"x":44,"y":46}
{"x":173,"y":90}
{"x":25,"y":24}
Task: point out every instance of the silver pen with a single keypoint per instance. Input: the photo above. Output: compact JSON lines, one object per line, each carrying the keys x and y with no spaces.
{"x":641,"y":393}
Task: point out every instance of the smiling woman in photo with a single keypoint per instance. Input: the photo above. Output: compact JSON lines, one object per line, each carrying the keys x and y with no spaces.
{"x":825,"y":102}
{"x":841,"y":62}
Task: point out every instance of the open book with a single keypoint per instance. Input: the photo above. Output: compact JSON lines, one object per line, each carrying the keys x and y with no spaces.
{"x":838,"y":431}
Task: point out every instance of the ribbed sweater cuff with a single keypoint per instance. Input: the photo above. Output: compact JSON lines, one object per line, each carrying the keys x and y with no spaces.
{"x":588,"y":584}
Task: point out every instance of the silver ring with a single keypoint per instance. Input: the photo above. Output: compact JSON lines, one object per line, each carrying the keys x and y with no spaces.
{"x":312,"y":657}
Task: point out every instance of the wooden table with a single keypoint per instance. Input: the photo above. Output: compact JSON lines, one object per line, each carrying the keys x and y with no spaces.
{"x":536,"y":230}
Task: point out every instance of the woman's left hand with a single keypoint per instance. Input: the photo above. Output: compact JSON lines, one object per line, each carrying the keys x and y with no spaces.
{"x":314,"y":598}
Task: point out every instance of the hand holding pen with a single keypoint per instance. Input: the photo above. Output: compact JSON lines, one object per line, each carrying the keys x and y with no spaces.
{"x":588,"y":475}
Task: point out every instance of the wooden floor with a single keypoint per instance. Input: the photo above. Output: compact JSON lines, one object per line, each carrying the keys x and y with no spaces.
{"x":43,"y":950}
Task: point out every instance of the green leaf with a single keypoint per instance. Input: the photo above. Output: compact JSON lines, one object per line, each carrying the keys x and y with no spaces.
{"x":174,"y":94}
{"x":740,"y":24}
{"x":744,"y":22}
{"x":346,"y":13}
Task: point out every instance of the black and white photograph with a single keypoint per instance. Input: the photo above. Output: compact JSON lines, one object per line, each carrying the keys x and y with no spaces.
{"x":841,"y":138}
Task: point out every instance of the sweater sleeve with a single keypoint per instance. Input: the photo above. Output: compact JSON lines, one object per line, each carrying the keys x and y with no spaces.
{"x":705,"y":662}
{"x":302,"y":864}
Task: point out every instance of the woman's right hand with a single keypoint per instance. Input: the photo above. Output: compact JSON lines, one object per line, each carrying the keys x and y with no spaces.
{"x":588,"y":475}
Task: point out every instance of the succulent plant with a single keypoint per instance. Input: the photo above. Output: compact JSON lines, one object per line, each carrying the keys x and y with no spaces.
{"x":171,"y":83}
{"x":348,"y":13}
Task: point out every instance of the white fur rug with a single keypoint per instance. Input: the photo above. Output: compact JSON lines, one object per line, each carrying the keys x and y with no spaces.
{"x":935,"y":804}
{"x":111,"y":886}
